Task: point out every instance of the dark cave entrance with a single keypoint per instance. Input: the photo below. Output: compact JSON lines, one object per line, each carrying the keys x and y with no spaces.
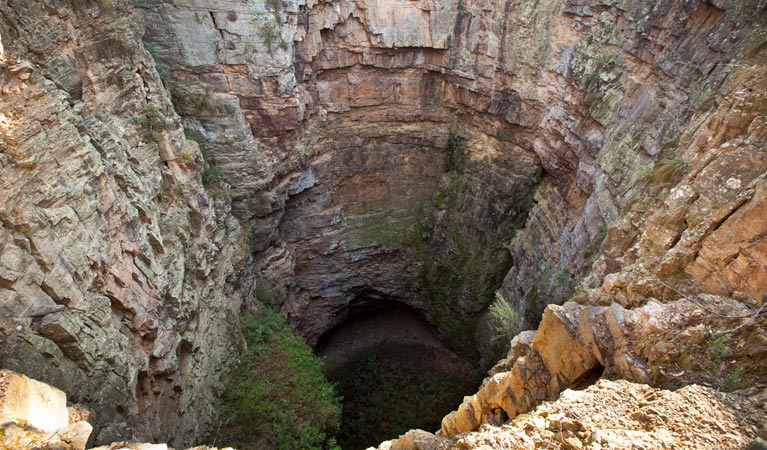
{"x":393,"y":372}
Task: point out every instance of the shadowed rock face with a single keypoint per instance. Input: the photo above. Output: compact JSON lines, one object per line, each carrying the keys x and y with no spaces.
{"x":429,"y":152}
{"x":350,"y":129}
{"x":393,"y":372}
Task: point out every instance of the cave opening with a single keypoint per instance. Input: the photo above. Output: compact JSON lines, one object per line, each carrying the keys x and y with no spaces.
{"x":392,"y":372}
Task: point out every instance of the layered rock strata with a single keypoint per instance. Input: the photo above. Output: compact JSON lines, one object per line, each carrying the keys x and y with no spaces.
{"x":709,"y":340}
{"x":115,"y":263}
{"x":337,"y":102}
{"x":413,"y":151}
{"x":618,"y":415}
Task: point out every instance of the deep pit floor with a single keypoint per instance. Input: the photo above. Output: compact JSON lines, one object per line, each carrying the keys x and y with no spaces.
{"x":394,"y":374}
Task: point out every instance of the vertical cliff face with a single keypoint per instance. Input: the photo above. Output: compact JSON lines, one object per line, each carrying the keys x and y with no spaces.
{"x":428,"y":153}
{"x":116,"y":263}
{"x":398,"y":144}
{"x":379,"y":180}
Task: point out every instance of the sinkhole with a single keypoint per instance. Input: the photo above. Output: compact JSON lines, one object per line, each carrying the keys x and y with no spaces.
{"x":393,"y":372}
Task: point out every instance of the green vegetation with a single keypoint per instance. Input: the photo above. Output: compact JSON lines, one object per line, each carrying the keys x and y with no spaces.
{"x":601,"y":63}
{"x":456,"y":153}
{"x":531,"y":180}
{"x":267,"y":294}
{"x":384,"y":398}
{"x":644,"y":171}
{"x":505,"y":318}
{"x":153,"y":122}
{"x":464,"y":271}
{"x":532,"y":301}
{"x":211,"y":173}
{"x":81,"y":5}
{"x":162,"y":69}
{"x":427,"y":230}
{"x":596,"y":243}
{"x":667,"y":171}
{"x":269,"y":35}
{"x":278,"y":398}
{"x":719,"y":351}
{"x":756,"y":104}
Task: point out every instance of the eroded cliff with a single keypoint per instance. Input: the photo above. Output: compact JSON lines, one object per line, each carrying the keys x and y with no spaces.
{"x":116,"y":263}
{"x":400,"y":143}
{"x":423,"y":152}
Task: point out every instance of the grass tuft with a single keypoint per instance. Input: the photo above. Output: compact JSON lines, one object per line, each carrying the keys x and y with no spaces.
{"x":668,"y":171}
{"x":505,"y":318}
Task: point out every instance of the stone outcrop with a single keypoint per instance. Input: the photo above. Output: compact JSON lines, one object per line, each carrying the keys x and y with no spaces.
{"x":35,"y":415}
{"x":115,"y":263}
{"x":694,"y":340}
{"x":618,"y":415}
{"x":145,"y":446}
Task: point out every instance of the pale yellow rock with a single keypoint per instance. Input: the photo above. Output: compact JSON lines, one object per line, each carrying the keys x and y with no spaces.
{"x":76,"y":434}
{"x":31,"y":402}
{"x":551,"y":340}
{"x":419,"y":440}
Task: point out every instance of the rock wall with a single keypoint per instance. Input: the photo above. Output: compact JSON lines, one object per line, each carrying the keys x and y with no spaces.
{"x":414,"y":151}
{"x":628,"y":414}
{"x":391,"y":149}
{"x":116,"y":266}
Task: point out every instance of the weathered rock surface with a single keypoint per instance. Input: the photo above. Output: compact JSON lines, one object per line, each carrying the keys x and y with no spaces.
{"x":114,"y":261}
{"x":34,"y":415}
{"x":337,"y":102}
{"x":695,"y":340}
{"x":145,"y":446}
{"x":422,"y":152}
{"x":618,"y":415}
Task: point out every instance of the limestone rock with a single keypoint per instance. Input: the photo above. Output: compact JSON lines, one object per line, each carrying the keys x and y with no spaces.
{"x":562,"y":151}
{"x":621,"y":414}
{"x":111,"y":250}
{"x":417,"y":440}
{"x":423,"y":152}
{"x":34,"y":415}
{"x":730,"y":259}
{"x":575,"y":343}
{"x":31,"y":402}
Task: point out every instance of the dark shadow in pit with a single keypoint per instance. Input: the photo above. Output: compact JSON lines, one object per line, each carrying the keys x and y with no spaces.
{"x":393,"y":372}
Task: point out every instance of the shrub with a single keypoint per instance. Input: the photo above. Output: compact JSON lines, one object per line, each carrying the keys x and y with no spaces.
{"x":505,"y":318}
{"x":153,"y":122}
{"x":162,"y":69}
{"x":211,"y":173}
{"x":531,"y":180}
{"x":456,"y":153}
{"x":278,"y":398}
{"x":269,"y":35}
